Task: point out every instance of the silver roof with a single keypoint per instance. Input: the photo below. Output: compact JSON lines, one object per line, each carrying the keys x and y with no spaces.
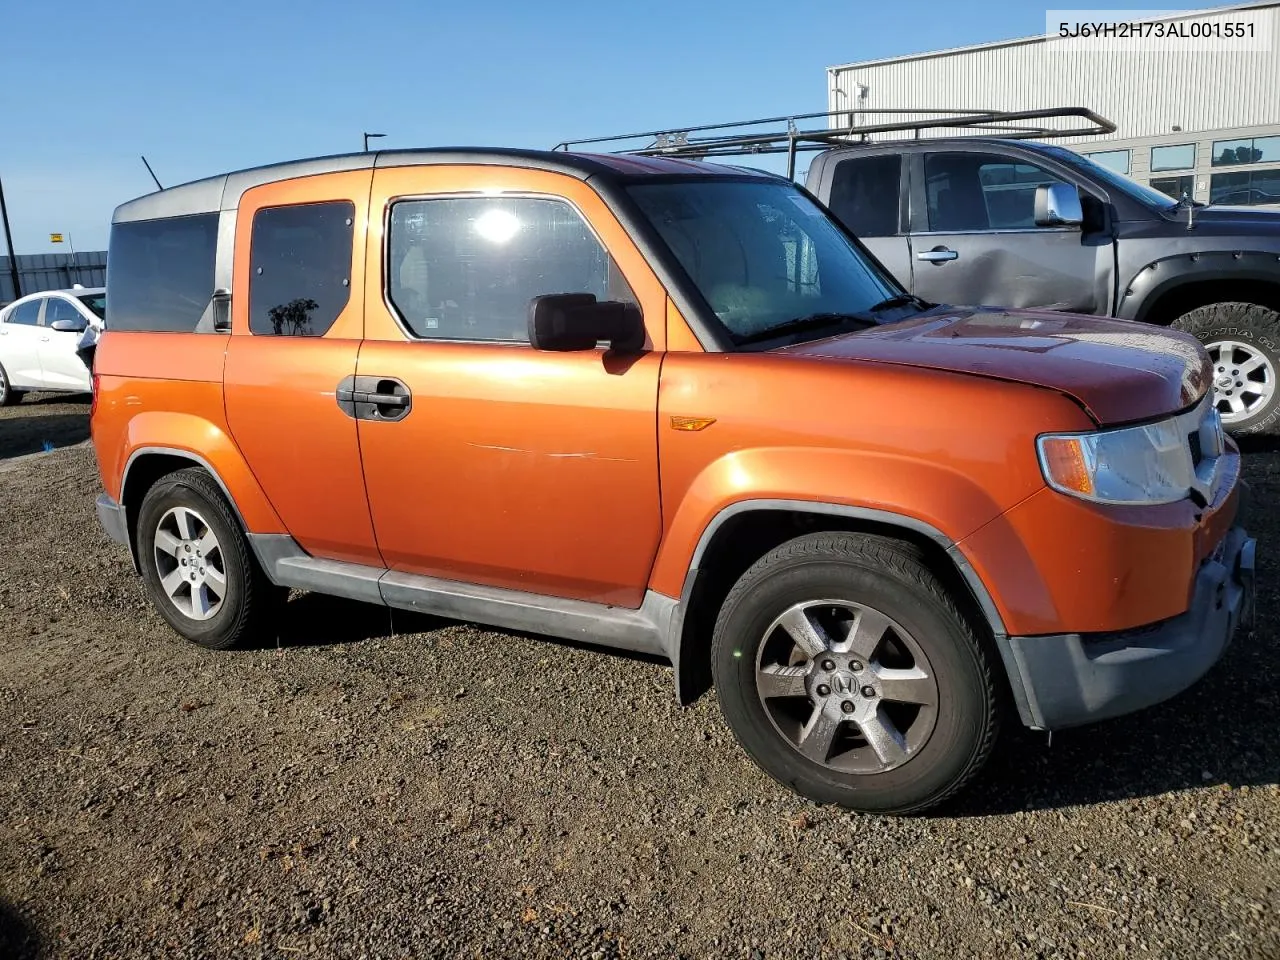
{"x":224,"y":191}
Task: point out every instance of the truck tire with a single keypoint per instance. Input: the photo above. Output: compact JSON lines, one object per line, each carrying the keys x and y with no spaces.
{"x":197,"y":565}
{"x":1243,"y":341}
{"x":8,"y":395}
{"x":848,"y":673}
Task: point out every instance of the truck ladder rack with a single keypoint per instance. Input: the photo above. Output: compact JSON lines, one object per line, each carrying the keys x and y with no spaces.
{"x":745,"y":137}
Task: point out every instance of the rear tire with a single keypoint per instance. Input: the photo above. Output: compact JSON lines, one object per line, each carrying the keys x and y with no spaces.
{"x":889,"y":725}
{"x":1243,"y":340}
{"x":8,"y":395}
{"x":197,"y":565}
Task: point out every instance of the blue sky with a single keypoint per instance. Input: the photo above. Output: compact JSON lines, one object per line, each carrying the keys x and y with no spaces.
{"x":203,"y":88}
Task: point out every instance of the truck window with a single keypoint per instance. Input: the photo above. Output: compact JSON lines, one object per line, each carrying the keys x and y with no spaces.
{"x":975,"y":191}
{"x":300,"y":268}
{"x":866,"y":194}
{"x":466,"y":268}
{"x":160,"y":272}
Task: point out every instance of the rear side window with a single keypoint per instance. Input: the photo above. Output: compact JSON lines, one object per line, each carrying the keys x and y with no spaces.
{"x":300,"y":268}
{"x":866,"y":193}
{"x":466,"y":268}
{"x":27,"y":314}
{"x":160,"y":272}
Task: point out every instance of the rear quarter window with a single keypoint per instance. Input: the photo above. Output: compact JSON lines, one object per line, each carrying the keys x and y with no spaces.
{"x":866,"y":193}
{"x":160,"y":272}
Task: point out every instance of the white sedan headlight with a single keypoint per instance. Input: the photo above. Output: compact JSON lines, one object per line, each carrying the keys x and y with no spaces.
{"x":1132,"y":465}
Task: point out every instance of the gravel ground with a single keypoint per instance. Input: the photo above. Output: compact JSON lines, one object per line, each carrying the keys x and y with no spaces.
{"x":418,"y":788}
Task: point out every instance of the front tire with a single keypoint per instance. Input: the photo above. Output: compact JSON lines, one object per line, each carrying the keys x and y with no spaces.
{"x":8,"y":395}
{"x":197,"y":565}
{"x":1243,"y":341}
{"x":847,"y":673}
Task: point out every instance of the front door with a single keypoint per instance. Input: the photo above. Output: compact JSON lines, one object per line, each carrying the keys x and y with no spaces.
{"x":297,"y":319}
{"x":975,"y":241}
{"x":63,"y":369}
{"x":490,"y":462}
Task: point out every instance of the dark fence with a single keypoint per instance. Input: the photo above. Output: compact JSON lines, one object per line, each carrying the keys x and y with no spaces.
{"x":53,"y":271}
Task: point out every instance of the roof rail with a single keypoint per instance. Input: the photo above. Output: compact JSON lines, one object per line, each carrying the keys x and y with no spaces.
{"x":742,"y":137}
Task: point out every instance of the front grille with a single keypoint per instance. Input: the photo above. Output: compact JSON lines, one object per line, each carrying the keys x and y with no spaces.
{"x":1193,"y":438}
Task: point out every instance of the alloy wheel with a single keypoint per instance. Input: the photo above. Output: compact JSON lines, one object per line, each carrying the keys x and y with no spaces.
{"x":846,"y":686}
{"x":189,"y":560}
{"x":1244,"y":379}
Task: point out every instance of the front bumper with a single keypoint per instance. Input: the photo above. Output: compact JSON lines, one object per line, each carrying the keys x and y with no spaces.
{"x":1071,"y":679}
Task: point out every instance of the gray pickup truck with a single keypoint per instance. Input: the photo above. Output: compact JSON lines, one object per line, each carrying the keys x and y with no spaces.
{"x":1007,"y":220}
{"x":975,"y":220}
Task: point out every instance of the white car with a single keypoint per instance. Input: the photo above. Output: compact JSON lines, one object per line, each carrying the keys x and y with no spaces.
{"x":41,"y":338}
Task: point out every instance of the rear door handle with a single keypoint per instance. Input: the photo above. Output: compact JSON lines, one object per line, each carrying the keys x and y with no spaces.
{"x":382,"y":399}
{"x":938,"y":255}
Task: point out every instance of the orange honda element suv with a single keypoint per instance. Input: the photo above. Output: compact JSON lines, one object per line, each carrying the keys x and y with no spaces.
{"x":670,"y":407}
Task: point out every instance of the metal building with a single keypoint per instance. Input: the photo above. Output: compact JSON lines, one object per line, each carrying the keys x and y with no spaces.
{"x":53,"y":271}
{"x":1204,"y":122}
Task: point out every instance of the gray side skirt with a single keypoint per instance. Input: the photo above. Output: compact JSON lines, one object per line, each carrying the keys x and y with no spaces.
{"x":646,"y":630}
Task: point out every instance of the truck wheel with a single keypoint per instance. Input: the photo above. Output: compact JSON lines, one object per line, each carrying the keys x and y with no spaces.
{"x":8,"y":395}
{"x":1243,"y":341}
{"x":847,"y":672}
{"x":197,"y":565}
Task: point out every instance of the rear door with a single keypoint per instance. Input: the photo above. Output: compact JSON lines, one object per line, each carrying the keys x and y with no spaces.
{"x":495,"y":463}
{"x":974,"y":238}
{"x":20,"y":344}
{"x":297,"y":320}
{"x":867,"y":192}
{"x":62,"y":367}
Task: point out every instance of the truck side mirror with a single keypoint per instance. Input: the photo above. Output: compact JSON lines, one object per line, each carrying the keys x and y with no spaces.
{"x":577,"y":321}
{"x":1058,"y":205}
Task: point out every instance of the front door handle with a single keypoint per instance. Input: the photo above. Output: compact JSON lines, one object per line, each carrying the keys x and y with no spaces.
{"x":374,"y":398}
{"x":938,"y":255}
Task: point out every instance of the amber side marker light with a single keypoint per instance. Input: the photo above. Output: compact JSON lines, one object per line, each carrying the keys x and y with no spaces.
{"x":691,"y":423}
{"x":1064,"y":462}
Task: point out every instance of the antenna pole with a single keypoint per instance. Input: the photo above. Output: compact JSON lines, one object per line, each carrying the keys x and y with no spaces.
{"x":153,"y":174}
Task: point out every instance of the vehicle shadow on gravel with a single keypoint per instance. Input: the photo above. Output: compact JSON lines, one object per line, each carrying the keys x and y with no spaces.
{"x":1223,"y":730}
{"x":1263,"y":444}
{"x":318,"y":620}
{"x":18,"y":939}
{"x":32,"y":434}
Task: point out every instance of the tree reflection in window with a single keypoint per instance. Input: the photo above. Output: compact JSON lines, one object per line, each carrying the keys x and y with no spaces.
{"x":292,"y":319}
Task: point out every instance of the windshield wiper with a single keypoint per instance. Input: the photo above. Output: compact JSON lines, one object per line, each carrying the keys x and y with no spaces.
{"x":901,"y":300}
{"x":813,"y":321}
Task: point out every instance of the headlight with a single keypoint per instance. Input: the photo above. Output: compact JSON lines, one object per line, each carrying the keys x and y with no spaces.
{"x":1148,"y":464}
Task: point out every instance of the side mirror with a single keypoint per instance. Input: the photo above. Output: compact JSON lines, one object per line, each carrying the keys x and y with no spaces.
{"x":1058,"y":205}
{"x":577,"y":321}
{"x":68,"y":326}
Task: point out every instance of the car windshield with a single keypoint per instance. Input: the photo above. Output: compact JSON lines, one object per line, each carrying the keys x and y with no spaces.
{"x":1138,"y":191}
{"x":764,"y":255}
{"x":97,"y":302}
